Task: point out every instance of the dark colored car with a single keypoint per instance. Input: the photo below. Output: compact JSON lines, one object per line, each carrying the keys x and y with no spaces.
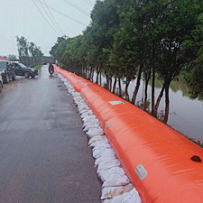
{"x":7,"y":71}
{"x":22,"y":70}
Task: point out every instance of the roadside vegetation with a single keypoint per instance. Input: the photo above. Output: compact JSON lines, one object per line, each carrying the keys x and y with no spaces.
{"x":139,"y":39}
{"x":29,"y":52}
{"x":37,"y":67}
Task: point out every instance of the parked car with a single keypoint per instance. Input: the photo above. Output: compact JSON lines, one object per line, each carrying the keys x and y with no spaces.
{"x":22,"y":70}
{"x":7,"y":71}
{"x":1,"y":83}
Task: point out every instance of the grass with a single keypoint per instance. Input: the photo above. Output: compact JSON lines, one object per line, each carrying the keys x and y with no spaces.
{"x":36,"y":67}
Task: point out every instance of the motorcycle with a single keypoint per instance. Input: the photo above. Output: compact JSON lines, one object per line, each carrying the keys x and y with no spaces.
{"x":51,"y":70}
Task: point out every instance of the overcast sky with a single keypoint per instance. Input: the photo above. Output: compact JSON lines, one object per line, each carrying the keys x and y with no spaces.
{"x":41,"y":22}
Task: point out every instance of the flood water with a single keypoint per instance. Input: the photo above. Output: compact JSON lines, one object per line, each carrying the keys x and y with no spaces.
{"x":185,"y":114}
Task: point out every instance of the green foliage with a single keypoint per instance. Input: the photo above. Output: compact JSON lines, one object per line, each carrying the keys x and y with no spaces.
{"x":123,"y":35}
{"x":12,"y":57}
{"x":193,"y":51}
{"x":28,"y":49}
{"x":57,"y":44}
{"x":36,"y":67}
{"x":22,"y":46}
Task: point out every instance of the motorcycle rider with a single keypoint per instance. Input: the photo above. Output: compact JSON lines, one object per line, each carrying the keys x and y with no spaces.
{"x":51,"y":68}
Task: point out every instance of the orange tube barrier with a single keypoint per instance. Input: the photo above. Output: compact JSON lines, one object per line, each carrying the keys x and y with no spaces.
{"x":163,"y":165}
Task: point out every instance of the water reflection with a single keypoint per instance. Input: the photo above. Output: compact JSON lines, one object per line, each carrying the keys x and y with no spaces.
{"x":185,"y":114}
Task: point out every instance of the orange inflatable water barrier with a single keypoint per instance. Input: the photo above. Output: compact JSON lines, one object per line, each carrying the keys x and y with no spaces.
{"x":163,"y":165}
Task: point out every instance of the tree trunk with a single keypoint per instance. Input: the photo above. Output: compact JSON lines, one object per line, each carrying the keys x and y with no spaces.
{"x":114,"y":85}
{"x":85,"y":71}
{"x":100,"y":77}
{"x":146,"y":87}
{"x":89,"y":73}
{"x":159,"y":100}
{"x":167,"y":103}
{"x":97,"y":78}
{"x":126,"y":90}
{"x":110,"y":84}
{"x":92,"y":74}
{"x":153,"y":90}
{"x":107,"y":82}
{"x":120,"y":89}
{"x":137,"y":85}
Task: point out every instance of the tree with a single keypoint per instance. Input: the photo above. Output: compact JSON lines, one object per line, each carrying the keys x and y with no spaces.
{"x":180,"y":18}
{"x":22,"y":45}
{"x":12,"y":57}
{"x":29,"y":53}
{"x":57,"y":44}
{"x":193,"y":52}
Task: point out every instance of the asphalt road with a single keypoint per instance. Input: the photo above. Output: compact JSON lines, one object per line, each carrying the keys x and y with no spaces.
{"x":44,"y":156}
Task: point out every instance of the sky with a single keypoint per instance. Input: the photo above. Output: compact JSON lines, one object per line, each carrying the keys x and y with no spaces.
{"x":41,"y":22}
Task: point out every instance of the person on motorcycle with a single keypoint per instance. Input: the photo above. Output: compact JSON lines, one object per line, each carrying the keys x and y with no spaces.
{"x":51,"y":68}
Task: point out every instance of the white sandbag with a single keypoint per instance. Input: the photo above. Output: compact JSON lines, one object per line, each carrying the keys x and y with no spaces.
{"x":107,"y":164}
{"x":92,"y":123}
{"x":103,"y":159}
{"x":110,"y":192}
{"x":116,"y":180}
{"x":102,"y":142}
{"x":107,"y":201}
{"x":95,"y":132}
{"x":89,"y":122}
{"x":88,"y":125}
{"x":107,"y":175}
{"x":95,"y":139}
{"x":104,"y":146}
{"x":84,"y":113}
{"x":103,"y":152}
{"x":117,"y":170}
{"x":129,"y":197}
{"x":112,"y":172}
{"x":89,"y":117}
{"x":81,"y":106}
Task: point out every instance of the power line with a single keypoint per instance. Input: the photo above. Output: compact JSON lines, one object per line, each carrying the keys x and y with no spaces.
{"x":53,"y":20}
{"x":45,"y":18}
{"x":12,"y":43}
{"x":90,"y":3}
{"x":64,"y":14}
{"x":49,"y":17}
{"x":76,"y":7}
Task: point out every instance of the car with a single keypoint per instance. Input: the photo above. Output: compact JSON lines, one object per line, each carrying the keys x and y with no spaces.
{"x":7,"y":71}
{"x":23,"y":70}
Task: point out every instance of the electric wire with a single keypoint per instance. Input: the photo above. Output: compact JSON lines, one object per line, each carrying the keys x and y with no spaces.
{"x":11,"y":43}
{"x":64,"y":14}
{"x":52,"y":17}
{"x":90,"y":3}
{"x":76,"y":7}
{"x":45,"y":18}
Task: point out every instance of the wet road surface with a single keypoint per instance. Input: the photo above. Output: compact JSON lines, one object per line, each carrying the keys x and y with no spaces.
{"x":44,"y":156}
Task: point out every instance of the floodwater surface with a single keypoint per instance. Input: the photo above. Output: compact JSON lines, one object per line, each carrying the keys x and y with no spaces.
{"x":185,"y":114}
